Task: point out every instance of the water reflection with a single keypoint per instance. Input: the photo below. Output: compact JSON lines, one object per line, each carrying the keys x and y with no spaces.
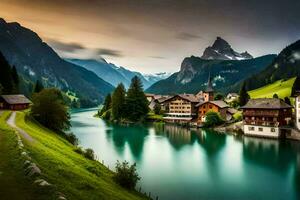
{"x":134,"y":136}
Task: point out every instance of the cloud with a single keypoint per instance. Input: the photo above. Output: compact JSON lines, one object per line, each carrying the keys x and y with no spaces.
{"x":65,"y":47}
{"x":157,"y":57}
{"x":109,"y":52}
{"x":187,"y":36}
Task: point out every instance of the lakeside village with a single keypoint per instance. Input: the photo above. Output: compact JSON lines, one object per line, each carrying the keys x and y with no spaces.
{"x":264,"y":117}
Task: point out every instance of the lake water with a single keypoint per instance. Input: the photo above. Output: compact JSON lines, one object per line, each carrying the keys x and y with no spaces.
{"x":178,"y":163}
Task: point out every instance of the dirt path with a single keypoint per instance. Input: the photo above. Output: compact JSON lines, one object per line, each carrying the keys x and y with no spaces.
{"x":11,"y":122}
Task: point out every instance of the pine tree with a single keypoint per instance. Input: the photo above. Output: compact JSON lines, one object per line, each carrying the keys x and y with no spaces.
{"x":287,"y":100}
{"x":275,"y":96}
{"x":106,"y":105}
{"x":136,"y":101}
{"x":15,"y":78}
{"x":6,"y":79}
{"x":38,"y":87}
{"x":244,"y":96}
{"x":118,"y":102}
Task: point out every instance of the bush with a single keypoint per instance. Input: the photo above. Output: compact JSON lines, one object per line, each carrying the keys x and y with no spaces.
{"x":79,"y":150}
{"x":157,"y":108}
{"x":213,"y":119}
{"x":238,"y":116}
{"x":72,"y":138}
{"x":126,"y":175}
{"x":89,"y":154}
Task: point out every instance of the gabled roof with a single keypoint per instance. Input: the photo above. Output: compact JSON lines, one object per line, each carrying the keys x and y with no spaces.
{"x":189,"y":97}
{"x":266,"y":103}
{"x":219,"y":103}
{"x":15,"y":99}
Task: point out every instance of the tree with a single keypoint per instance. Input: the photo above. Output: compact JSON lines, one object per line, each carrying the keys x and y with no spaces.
{"x":275,"y":96}
{"x":6,"y":79}
{"x":296,"y":85}
{"x":118,"y":102}
{"x":106,"y":105}
{"x":50,"y":110}
{"x":287,"y":100}
{"x":218,"y":96}
{"x":244,"y":96}
{"x":126,"y":175}
{"x":38,"y":87}
{"x":157,"y":108}
{"x":136,"y":101}
{"x":15,"y":78}
{"x":212,"y":119}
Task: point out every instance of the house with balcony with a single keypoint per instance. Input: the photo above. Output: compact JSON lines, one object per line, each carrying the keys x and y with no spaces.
{"x":266,"y":117}
{"x":181,"y":108}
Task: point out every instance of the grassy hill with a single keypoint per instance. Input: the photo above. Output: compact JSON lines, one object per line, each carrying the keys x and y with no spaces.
{"x":73,"y":175}
{"x":282,"y":88}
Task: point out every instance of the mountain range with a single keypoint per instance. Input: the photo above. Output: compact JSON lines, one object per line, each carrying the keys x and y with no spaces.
{"x":114,"y":74}
{"x":228,"y":69}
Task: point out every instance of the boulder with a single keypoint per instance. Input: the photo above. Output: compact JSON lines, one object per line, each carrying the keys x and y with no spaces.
{"x":41,"y":182}
{"x":32,"y":170}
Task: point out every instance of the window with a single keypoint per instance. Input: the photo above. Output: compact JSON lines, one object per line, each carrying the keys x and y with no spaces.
{"x":299,"y":120}
{"x":273,"y":130}
{"x":251,"y":128}
{"x":260,"y":129}
{"x":210,"y":107}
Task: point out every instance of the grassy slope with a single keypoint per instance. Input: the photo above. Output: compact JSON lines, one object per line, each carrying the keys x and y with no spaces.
{"x":74,"y":175}
{"x":281,"y":87}
{"x":13,"y":183}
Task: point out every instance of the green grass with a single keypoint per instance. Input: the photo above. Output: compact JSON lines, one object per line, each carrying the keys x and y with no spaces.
{"x":74,"y":175}
{"x":154,"y":117}
{"x":282,"y":88}
{"x":13,"y":183}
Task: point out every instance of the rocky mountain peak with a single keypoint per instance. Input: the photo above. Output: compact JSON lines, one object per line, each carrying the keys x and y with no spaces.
{"x":222,"y":50}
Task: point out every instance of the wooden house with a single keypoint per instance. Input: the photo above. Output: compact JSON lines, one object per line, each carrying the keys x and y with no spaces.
{"x":216,"y":106}
{"x":14,"y":102}
{"x":266,"y":117}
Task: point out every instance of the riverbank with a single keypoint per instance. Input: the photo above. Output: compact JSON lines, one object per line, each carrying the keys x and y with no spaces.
{"x":71,"y":173}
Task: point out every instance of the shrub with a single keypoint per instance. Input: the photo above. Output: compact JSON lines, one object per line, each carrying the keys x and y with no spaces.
{"x":89,"y":154}
{"x":72,"y":138}
{"x":79,"y":150}
{"x":212,"y":119}
{"x":238,"y":116}
{"x":157,"y":108}
{"x":126,"y":175}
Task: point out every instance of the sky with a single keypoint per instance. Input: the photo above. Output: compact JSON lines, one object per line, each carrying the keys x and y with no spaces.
{"x":152,"y":36}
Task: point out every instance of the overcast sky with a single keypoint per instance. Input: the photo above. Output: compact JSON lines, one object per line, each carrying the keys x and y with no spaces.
{"x":155,"y":35}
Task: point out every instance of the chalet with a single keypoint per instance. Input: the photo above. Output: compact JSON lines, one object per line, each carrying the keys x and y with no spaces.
{"x":266,"y":117}
{"x":216,"y":106}
{"x":181,"y":108}
{"x":161,"y":100}
{"x":14,"y":102}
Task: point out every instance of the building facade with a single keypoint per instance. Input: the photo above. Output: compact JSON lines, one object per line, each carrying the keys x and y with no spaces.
{"x":14,"y":102}
{"x":215,"y":106}
{"x":181,"y":108}
{"x":266,"y":117}
{"x":297,"y":109}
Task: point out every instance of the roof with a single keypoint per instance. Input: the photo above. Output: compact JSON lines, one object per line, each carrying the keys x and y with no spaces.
{"x":209,"y":87}
{"x":189,"y":97}
{"x":232,"y":110}
{"x":219,"y":103}
{"x":266,"y":103}
{"x":16,"y":99}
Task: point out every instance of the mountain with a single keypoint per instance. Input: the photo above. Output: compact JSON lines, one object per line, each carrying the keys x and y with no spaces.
{"x":221,"y":50}
{"x":114,"y":74}
{"x":286,"y":65}
{"x":34,"y":59}
{"x":194,"y":72}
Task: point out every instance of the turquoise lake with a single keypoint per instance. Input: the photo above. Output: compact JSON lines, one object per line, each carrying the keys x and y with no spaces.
{"x":179,"y":163}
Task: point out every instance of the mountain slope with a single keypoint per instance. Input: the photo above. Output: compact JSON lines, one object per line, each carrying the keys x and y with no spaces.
{"x":286,"y":65}
{"x":282,"y":88}
{"x":194,"y":72}
{"x":34,"y":59}
{"x":221,"y":50}
{"x":113,"y":74}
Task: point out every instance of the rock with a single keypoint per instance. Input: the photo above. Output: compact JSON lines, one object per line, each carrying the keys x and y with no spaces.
{"x":61,"y":198}
{"x":32,"y":170}
{"x":26,"y":163}
{"x":41,"y":182}
{"x":24,"y":154}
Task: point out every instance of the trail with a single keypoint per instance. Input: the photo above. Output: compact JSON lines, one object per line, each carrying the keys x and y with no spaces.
{"x":12,"y":123}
